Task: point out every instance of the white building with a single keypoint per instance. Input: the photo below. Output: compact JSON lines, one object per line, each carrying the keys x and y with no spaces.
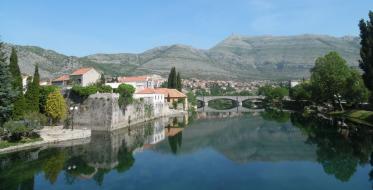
{"x":140,"y":82}
{"x":85,"y":76}
{"x":151,"y":96}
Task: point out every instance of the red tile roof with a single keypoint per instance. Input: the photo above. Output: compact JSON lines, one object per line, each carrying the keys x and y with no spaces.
{"x":81,"y":71}
{"x":62,"y":78}
{"x":172,"y":93}
{"x":133,"y":79}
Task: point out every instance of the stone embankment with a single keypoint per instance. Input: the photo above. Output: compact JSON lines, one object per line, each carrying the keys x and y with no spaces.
{"x":54,"y":137}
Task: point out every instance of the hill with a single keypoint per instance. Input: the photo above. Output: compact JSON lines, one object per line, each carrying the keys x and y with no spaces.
{"x":236,"y":57}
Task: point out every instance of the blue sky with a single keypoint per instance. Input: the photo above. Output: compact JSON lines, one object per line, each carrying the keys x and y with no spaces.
{"x":82,"y":27}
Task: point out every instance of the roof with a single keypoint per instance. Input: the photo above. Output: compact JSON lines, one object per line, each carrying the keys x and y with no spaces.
{"x":133,"y":79}
{"x":82,"y":71}
{"x":172,"y":93}
{"x":62,"y":78}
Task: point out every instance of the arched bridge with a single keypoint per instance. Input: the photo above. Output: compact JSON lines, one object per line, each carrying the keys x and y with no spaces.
{"x":239,"y":99}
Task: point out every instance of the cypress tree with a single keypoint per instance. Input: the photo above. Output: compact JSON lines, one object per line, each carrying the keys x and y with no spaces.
{"x":32,"y":94}
{"x":178,"y":82}
{"x":366,"y":51}
{"x":172,"y":80}
{"x":7,"y":94}
{"x":19,"y":102}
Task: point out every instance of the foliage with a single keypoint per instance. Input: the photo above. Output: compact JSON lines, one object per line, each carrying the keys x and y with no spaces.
{"x":174,"y":104}
{"x":191,"y":98}
{"x":33,"y":91}
{"x":172,"y":79}
{"x":44,"y":92}
{"x":105,"y":89}
{"x":7,"y":94}
{"x":84,"y":92}
{"x":273,"y":95}
{"x":333,"y":81}
{"x":35,"y":120}
{"x":275,"y":115}
{"x":301,"y":92}
{"x":366,"y":51}
{"x":56,"y":106}
{"x":201,"y":92}
{"x":222,"y":104}
{"x":16,"y":129}
{"x":179,"y":84}
{"x":19,"y":103}
{"x":125,"y":94}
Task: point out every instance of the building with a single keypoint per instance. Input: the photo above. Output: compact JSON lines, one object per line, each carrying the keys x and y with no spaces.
{"x":140,"y":82}
{"x":173,"y":95}
{"x":85,"y":76}
{"x":151,"y":96}
{"x":61,"y":81}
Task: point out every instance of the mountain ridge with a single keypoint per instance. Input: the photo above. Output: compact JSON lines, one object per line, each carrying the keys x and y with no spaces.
{"x":237,"y":57}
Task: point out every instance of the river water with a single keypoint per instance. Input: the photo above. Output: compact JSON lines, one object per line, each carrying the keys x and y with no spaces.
{"x":259,"y":150}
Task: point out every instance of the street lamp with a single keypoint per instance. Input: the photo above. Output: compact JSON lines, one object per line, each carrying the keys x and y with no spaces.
{"x":73,"y":109}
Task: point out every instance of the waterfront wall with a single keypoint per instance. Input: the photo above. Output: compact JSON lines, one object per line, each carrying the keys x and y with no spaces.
{"x":101,"y":112}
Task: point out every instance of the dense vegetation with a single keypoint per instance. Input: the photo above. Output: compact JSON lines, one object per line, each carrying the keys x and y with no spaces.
{"x":174,"y":80}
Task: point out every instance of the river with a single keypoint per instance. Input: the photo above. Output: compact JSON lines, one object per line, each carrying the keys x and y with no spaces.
{"x":258,"y":150}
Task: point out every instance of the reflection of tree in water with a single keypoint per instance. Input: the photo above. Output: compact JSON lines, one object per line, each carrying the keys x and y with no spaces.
{"x":125,"y":159}
{"x":175,"y":142}
{"x":339,"y":150}
{"x":275,"y":115}
{"x":53,"y":166}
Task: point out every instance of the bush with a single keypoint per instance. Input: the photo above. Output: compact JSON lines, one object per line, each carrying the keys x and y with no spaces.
{"x":44,"y":92}
{"x":125,"y":94}
{"x":84,"y":91}
{"x":56,"y":106}
{"x":105,"y":89}
{"x":16,"y":129}
{"x":35,"y":120}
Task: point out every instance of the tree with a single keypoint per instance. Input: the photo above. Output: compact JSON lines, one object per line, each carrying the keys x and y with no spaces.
{"x":7,"y":93}
{"x":172,"y":79}
{"x":44,"y":92}
{"x":102,"y":80}
{"x":179,"y":84}
{"x":329,"y":78}
{"x":32,"y":93}
{"x":355,"y":91}
{"x":301,"y":92}
{"x":56,"y":106}
{"x":125,"y":94}
{"x":366,"y":51}
{"x":19,"y":103}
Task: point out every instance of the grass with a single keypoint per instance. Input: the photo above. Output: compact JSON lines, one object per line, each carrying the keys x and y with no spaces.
{"x":359,"y":116}
{"x":24,"y":140}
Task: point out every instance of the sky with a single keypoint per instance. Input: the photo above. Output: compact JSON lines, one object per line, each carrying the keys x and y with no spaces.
{"x":83,"y":27}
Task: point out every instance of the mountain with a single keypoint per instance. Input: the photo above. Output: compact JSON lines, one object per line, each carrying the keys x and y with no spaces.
{"x":236,"y":57}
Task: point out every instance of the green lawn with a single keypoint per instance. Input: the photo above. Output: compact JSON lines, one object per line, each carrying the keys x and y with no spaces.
{"x":5,"y":144}
{"x":360,"y":116}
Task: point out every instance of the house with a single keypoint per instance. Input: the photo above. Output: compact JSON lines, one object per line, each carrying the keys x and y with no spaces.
{"x":61,"y":81}
{"x":140,"y":82}
{"x":151,"y":96}
{"x":85,"y":76}
{"x":173,"y":95}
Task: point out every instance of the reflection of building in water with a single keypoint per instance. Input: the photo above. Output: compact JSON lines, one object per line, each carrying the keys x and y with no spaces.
{"x":158,"y":133}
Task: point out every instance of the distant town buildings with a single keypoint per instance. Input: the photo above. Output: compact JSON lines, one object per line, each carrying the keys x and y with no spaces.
{"x":82,"y":76}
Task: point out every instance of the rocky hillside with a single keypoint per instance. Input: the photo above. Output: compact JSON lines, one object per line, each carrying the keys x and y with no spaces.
{"x":237,"y":57}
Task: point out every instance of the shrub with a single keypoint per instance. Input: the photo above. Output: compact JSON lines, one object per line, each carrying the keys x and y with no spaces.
{"x":84,"y":91}
{"x":56,"y":106}
{"x":125,"y":94}
{"x":16,"y":129}
{"x":105,"y":89}
{"x":35,"y":120}
{"x":44,"y":92}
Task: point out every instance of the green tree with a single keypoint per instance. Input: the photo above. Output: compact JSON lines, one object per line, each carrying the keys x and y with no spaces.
{"x":56,"y":106}
{"x":329,"y":78}
{"x":44,"y":92}
{"x":179,"y":84}
{"x":32,"y":93}
{"x":301,"y":92}
{"x":273,"y":95}
{"x":366,"y":51}
{"x":7,"y":93}
{"x":355,"y":91}
{"x":19,"y":103}
{"x":125,"y":94}
{"x":172,"y":79}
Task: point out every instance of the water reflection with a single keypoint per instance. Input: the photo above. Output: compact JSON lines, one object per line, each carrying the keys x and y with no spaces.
{"x":242,"y":138}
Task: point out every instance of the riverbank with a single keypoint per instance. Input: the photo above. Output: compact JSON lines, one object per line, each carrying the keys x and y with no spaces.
{"x":51,"y":136}
{"x":358,"y":116}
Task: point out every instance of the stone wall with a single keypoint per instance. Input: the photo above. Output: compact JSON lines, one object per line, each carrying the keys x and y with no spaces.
{"x":101,"y":112}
